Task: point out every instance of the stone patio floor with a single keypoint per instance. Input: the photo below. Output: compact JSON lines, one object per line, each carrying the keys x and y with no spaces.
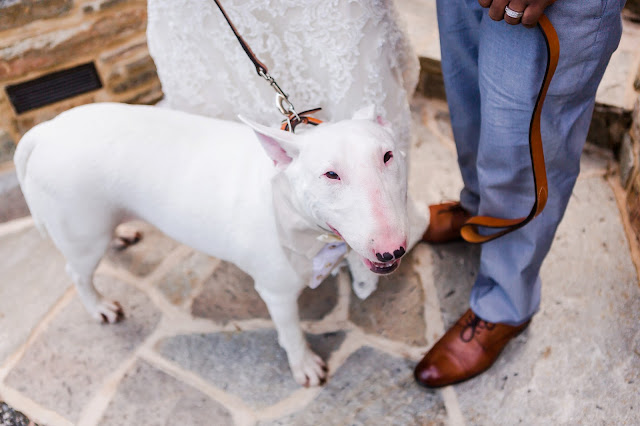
{"x":197,"y":346}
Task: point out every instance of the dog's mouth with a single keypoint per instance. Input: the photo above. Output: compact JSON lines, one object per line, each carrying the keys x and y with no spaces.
{"x":382,"y":268}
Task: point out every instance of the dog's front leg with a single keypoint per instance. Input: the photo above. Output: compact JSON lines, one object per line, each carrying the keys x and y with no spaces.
{"x":308,"y":368}
{"x":363,"y":281}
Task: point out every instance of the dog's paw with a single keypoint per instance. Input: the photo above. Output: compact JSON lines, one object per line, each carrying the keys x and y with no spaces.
{"x":125,"y":236}
{"x":364,"y":288}
{"x":310,"y":371}
{"x":108,"y":312}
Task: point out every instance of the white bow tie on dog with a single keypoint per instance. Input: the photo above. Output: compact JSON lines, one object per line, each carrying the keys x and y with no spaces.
{"x":208,"y":184}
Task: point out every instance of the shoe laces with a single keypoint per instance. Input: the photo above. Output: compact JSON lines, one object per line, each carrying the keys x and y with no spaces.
{"x":474,"y":325}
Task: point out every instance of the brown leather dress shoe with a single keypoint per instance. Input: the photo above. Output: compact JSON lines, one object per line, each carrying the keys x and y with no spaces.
{"x":470,"y":347}
{"x":445,"y":222}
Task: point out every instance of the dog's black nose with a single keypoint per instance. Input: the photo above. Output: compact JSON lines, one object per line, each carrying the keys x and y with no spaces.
{"x":384,"y":257}
{"x":399,"y":253}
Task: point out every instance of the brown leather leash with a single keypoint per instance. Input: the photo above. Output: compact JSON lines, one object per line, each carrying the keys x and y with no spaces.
{"x":469,"y":230}
{"x":284,"y":105}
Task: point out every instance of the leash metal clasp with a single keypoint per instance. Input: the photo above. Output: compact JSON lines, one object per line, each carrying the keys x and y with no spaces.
{"x":283,"y":103}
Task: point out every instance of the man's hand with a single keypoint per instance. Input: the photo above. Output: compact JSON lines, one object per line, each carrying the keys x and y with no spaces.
{"x":531,"y":9}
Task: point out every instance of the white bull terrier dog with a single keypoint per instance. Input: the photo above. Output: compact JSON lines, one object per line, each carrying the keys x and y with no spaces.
{"x":207,"y":184}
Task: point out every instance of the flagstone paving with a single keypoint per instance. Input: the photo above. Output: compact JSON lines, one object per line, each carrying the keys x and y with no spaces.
{"x":197,"y":346}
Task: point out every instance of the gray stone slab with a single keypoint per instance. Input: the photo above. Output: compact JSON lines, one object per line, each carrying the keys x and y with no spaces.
{"x":421,"y":23}
{"x":579,"y":361}
{"x":12,"y":203}
{"x":11,"y":417}
{"x":181,"y":281}
{"x":627,"y":160}
{"x":434,"y":175}
{"x":316,"y":303}
{"x":455,"y":267}
{"x":7,"y":147}
{"x":371,"y":388}
{"x":248,"y":364}
{"x":396,"y":309}
{"x":596,"y":160}
{"x":32,"y":279}
{"x":142,"y":258}
{"x":229,"y":295}
{"x":70,"y":360}
{"x":148,"y":396}
{"x":616,"y":88}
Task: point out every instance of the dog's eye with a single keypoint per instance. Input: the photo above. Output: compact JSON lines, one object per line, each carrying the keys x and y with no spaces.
{"x":332,"y":175}
{"x":388,"y":156}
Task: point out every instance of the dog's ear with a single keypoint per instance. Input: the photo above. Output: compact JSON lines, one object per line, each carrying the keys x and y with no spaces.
{"x":281,"y":146}
{"x":366,"y":113}
{"x":369,"y":113}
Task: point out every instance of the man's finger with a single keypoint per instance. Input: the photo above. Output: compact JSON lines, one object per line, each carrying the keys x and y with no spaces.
{"x":531,"y":16}
{"x":485,"y":3}
{"x":516,"y":6}
{"x":496,"y":11}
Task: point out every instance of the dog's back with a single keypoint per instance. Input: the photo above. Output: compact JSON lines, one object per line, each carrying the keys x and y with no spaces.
{"x":95,"y":166}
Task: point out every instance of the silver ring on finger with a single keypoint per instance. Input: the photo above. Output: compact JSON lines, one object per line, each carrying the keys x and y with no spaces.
{"x":512,"y":13}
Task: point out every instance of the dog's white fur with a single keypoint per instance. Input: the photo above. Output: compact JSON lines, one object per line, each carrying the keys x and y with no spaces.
{"x":208,"y":184}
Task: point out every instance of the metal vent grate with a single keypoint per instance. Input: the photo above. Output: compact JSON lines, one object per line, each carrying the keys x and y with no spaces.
{"x":53,"y":87}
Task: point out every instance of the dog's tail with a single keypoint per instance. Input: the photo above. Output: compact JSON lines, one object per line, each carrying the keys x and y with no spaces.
{"x":21,"y":160}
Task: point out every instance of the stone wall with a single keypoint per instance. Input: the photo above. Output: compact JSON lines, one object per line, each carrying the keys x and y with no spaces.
{"x":38,"y":37}
{"x":632,"y":8}
{"x":630,"y":169}
{"x":630,"y":161}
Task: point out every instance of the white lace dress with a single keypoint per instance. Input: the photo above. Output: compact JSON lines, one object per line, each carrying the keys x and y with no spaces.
{"x":340,"y":55}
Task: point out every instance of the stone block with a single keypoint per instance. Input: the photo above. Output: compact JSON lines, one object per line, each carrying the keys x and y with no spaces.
{"x":431,"y":82}
{"x":7,"y":147}
{"x":635,"y":122}
{"x":433,"y":160}
{"x":633,"y":6}
{"x":39,"y":54}
{"x":248,"y":364}
{"x":14,"y":14}
{"x":11,"y":417}
{"x":68,"y":363}
{"x":32,"y":280}
{"x":12,"y":203}
{"x":106,"y":4}
{"x":633,"y":204}
{"x":396,"y":309}
{"x":133,"y":75}
{"x":628,"y":160}
{"x":229,"y":295}
{"x":578,"y":363}
{"x":455,"y":268}
{"x":142,"y":258}
{"x":608,"y":126}
{"x":125,"y":52}
{"x":371,"y":388}
{"x":596,"y":160}
{"x":148,"y":96}
{"x":148,"y":396}
{"x":314,"y":304}
{"x":180,"y":282}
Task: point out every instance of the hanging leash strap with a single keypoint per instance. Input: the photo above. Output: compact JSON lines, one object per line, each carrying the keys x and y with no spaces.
{"x":469,"y":230}
{"x":283,"y":103}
